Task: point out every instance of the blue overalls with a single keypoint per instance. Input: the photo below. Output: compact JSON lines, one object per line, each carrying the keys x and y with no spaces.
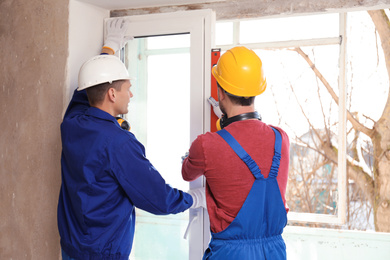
{"x":256,"y":231}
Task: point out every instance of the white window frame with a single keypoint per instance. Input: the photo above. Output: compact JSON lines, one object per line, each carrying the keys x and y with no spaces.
{"x":200,"y":24}
{"x":340,"y":218}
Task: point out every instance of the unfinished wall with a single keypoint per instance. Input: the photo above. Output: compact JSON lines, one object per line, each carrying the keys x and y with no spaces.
{"x":34,"y":50}
{"x":243,"y":9}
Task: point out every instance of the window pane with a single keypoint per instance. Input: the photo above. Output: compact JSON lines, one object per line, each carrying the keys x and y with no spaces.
{"x":169,"y":42}
{"x":299,"y":103}
{"x":162,"y":124}
{"x":224,"y":33}
{"x":368,"y":82}
{"x":367,"y":94}
{"x":168,"y":119}
{"x":291,"y":28}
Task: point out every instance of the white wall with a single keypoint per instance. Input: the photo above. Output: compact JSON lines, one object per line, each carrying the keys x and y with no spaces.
{"x":85,"y":39}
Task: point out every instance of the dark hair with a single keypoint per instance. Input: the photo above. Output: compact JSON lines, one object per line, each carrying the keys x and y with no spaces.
{"x":96,"y":93}
{"x":242,"y":101}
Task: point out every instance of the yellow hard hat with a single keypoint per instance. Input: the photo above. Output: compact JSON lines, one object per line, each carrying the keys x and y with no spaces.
{"x":239,"y":71}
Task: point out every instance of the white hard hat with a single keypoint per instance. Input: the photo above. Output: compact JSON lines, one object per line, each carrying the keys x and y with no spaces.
{"x":101,"y":69}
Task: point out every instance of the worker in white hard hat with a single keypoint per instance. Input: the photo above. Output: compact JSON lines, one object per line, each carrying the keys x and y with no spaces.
{"x":105,"y":173}
{"x":245,"y":164}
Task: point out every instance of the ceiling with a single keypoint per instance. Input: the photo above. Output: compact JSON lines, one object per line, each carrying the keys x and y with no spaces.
{"x":134,"y":4}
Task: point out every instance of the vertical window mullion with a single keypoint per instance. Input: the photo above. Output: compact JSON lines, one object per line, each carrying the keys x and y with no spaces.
{"x":342,"y":131}
{"x":236,"y":33}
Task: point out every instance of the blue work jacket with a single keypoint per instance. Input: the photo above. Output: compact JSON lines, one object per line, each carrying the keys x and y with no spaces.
{"x":105,"y":174}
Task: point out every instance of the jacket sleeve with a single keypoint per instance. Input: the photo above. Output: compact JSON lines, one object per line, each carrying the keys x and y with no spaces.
{"x":143,"y":184}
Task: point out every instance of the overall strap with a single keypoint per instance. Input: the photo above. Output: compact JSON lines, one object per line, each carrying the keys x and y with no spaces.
{"x":245,"y":157}
{"x":277,"y":154}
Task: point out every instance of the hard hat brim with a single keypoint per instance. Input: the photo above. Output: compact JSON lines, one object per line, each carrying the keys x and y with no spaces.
{"x":102,"y":69}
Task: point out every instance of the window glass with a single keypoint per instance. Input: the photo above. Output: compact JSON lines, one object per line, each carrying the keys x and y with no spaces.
{"x":224,"y":33}
{"x":168,"y":41}
{"x":168,"y":118}
{"x":367,"y":94}
{"x":368,"y":81}
{"x":299,"y":103}
{"x":289,"y":28}
{"x":159,"y":117}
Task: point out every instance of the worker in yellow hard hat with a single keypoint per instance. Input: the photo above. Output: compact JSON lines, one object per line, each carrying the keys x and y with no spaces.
{"x":105,"y":173}
{"x":245,"y":165}
{"x":239,"y":74}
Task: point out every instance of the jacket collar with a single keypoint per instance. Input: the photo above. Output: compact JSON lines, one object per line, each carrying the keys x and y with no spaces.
{"x":98,"y":113}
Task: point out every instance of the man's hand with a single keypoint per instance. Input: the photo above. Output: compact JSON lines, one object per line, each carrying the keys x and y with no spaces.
{"x":199,"y":197}
{"x":115,"y":38}
{"x":216,"y":108}
{"x":184,"y":157}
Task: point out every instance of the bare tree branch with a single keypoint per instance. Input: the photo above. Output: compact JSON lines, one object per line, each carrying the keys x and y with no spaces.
{"x":354,"y":122}
{"x":363,"y":181}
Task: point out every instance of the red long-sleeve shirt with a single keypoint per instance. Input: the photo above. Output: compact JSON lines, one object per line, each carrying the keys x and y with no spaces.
{"x":228,"y":179}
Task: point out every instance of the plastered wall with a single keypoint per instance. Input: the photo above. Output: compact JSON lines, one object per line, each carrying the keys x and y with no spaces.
{"x":246,"y":9}
{"x":33,"y":56}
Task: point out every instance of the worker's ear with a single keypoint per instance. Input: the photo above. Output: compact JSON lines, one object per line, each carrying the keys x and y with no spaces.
{"x":111,"y":94}
{"x":221,"y":94}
